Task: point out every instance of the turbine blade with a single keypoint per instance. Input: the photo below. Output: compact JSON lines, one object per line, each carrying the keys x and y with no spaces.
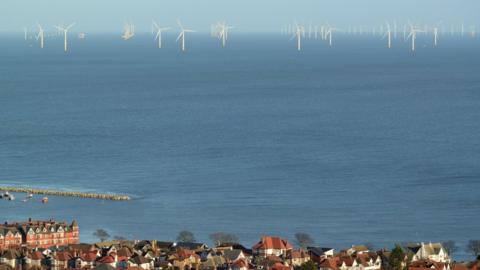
{"x":179,"y":36}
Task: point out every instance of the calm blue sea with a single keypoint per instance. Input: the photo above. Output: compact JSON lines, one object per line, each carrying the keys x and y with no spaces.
{"x":352,"y":144}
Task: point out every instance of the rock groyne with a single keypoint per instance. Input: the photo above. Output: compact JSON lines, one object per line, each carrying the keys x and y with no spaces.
{"x":87,"y":195}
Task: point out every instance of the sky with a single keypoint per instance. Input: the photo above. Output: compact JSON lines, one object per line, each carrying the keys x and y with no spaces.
{"x":245,"y":15}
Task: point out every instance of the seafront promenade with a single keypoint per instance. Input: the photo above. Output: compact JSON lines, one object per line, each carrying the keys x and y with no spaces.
{"x":53,"y":192}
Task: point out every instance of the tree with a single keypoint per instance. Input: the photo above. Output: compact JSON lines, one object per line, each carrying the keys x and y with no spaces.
{"x":303,"y":240}
{"x":310,"y":265}
{"x":118,"y":237}
{"x":101,"y":234}
{"x":219,"y":238}
{"x":473,"y":247}
{"x":450,"y":246}
{"x":397,"y":259}
{"x":185,"y":236}
{"x":370,"y":246}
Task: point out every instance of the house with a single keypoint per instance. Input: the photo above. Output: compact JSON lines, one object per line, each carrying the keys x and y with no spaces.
{"x":34,"y":258}
{"x":189,"y":246}
{"x":299,"y":257}
{"x":428,"y":265}
{"x":466,"y":266}
{"x":272,"y":245}
{"x":369,"y":261}
{"x":329,"y":264}
{"x":240,"y":265}
{"x":37,"y":233}
{"x":10,"y":237}
{"x":184,"y":258}
{"x":233,"y":255}
{"x":10,"y":257}
{"x":279,"y":266}
{"x":432,"y":251}
{"x":86,"y":260}
{"x":140,"y":261}
{"x":108,"y":260}
{"x":61,"y":260}
{"x":214,"y":263}
{"x":318,"y":254}
{"x":364,"y":261}
{"x":358,"y":249}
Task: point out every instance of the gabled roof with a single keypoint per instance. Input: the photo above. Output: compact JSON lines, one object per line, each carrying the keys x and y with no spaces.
{"x":189,"y":245}
{"x":299,"y":253}
{"x":36,"y":255}
{"x":319,"y":251}
{"x":272,"y":242}
{"x":63,"y":256}
{"x":106,"y":259}
{"x":233,"y":254}
{"x":279,"y":266}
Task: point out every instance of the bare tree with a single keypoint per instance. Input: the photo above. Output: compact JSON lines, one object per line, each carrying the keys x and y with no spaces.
{"x":219,"y":238}
{"x":450,"y":246}
{"x":303,"y":240}
{"x":473,"y":247}
{"x":101,"y":234}
{"x":185,"y":236}
{"x":369,"y":246}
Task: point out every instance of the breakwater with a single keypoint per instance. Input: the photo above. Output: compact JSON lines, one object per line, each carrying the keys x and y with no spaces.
{"x":87,"y":195}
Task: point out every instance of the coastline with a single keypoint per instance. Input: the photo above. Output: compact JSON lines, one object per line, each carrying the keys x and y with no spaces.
{"x":86,"y":195}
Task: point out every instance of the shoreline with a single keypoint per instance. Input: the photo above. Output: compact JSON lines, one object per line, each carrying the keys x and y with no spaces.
{"x":86,"y":195}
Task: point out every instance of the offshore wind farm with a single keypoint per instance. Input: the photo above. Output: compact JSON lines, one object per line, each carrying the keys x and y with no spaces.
{"x":296,"y":31}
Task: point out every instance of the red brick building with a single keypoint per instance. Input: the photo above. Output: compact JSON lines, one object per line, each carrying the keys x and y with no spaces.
{"x":36,"y":233}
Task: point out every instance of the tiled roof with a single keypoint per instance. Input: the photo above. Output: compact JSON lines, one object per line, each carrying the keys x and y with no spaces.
{"x":272,"y":242}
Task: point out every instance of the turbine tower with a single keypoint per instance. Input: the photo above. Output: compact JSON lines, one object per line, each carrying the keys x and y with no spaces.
{"x":435,"y":34}
{"x":299,"y":32}
{"x":222,"y":32}
{"x":182,"y":34}
{"x":159,"y":31}
{"x":413,"y":35}
{"x":41,"y":35}
{"x":329,"y":34}
{"x":65,"y":32}
{"x":388,"y":35}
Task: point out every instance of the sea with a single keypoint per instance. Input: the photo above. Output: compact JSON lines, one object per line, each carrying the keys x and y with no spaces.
{"x":352,"y":144}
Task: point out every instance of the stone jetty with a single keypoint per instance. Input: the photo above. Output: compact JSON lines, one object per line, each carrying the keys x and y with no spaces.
{"x":87,"y":195}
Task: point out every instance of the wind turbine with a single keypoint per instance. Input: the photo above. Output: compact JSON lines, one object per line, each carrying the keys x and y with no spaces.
{"x":159,"y":32}
{"x":25,"y":33}
{"x":299,"y":32}
{"x":41,"y":35}
{"x":65,"y":32}
{"x":182,"y":34}
{"x":222,"y":32}
{"x":435,"y":34}
{"x":128,"y":31}
{"x":329,"y":34}
{"x":413,"y":35}
{"x":388,"y":34}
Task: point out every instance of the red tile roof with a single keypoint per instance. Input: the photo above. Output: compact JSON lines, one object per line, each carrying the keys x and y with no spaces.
{"x":107,"y":259}
{"x":279,"y":266}
{"x":273,"y":242}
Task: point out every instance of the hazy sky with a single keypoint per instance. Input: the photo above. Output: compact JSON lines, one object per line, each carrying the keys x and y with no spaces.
{"x":246,"y":15}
